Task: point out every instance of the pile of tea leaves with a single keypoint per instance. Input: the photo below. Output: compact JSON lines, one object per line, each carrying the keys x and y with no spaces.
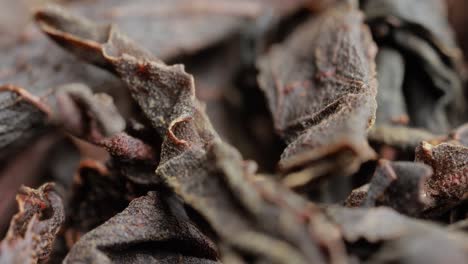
{"x":220,"y":131}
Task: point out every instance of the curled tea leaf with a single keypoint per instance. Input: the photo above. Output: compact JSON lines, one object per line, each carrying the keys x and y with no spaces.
{"x":320,"y":85}
{"x":152,"y":229}
{"x":76,"y":103}
{"x":33,"y":229}
{"x":95,"y":118}
{"x":449,"y":184}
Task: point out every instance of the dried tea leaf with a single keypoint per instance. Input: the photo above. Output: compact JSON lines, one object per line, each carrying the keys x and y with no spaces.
{"x":320,"y":85}
{"x":25,"y":63}
{"x":390,"y":98}
{"x":23,"y":118}
{"x":357,"y":197}
{"x":233,"y":112}
{"x":97,"y":194}
{"x":428,"y":187}
{"x":402,"y":240}
{"x":449,"y":160}
{"x":29,"y":60}
{"x":399,"y":185}
{"x":444,"y":103}
{"x":384,"y":176}
{"x":427,"y":19}
{"x":76,"y":103}
{"x":152,"y":229}
{"x":95,"y":118}
{"x":123,"y":146}
{"x":132,"y":158}
{"x":117,"y":53}
{"x":262,"y":202}
{"x":432,"y":84}
{"x":33,"y":229}
{"x":22,"y":169}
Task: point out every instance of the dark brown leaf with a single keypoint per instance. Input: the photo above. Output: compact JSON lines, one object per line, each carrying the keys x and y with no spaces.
{"x":95,"y":118}
{"x":87,"y":115}
{"x":419,"y":31}
{"x":320,"y":85}
{"x":152,"y":229}
{"x":449,"y":160}
{"x":399,"y":185}
{"x":401,"y":239}
{"x":390,"y":99}
{"x":97,"y":194}
{"x":23,"y":169}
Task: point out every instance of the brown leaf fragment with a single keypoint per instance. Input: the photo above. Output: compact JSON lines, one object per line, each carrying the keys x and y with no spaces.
{"x":399,"y":185}
{"x":320,"y":85}
{"x":390,"y":99}
{"x":427,"y":19}
{"x":23,"y":118}
{"x":22,"y":170}
{"x":384,"y":176}
{"x":231,"y":105}
{"x":137,"y":171}
{"x":262,"y":202}
{"x":449,"y":160}
{"x":357,"y":197}
{"x":206,"y":173}
{"x":401,"y":239}
{"x":135,"y":66}
{"x":95,"y":118}
{"x":29,"y":60}
{"x":96,"y":195}
{"x":428,"y":187}
{"x":87,"y":115}
{"x":33,"y":229}
{"x":152,"y":229}
{"x":124,"y":146}
{"x":432,"y":85}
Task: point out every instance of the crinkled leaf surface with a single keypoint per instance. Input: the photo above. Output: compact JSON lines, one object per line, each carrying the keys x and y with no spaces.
{"x":33,"y":229}
{"x":320,"y":85}
{"x":23,"y":118}
{"x":152,"y":229}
